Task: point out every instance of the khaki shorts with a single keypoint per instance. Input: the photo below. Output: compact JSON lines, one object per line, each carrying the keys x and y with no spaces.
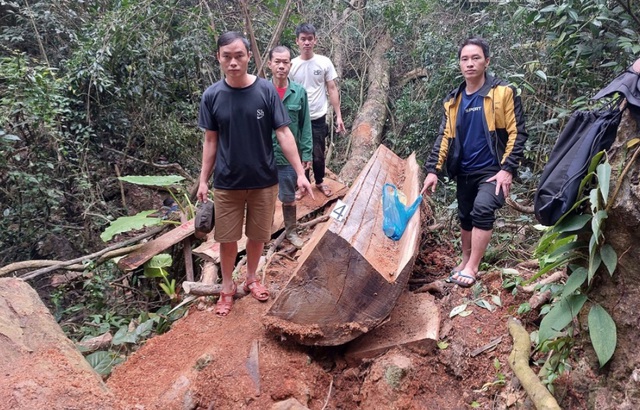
{"x":230,"y":206}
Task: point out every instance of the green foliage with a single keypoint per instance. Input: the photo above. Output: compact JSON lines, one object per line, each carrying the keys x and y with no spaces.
{"x":154,"y":268}
{"x":128,"y":223}
{"x":602,"y":331}
{"x":103,"y":362}
{"x":154,"y":180}
{"x":567,"y":242}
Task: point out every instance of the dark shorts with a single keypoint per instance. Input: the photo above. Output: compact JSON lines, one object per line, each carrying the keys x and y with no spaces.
{"x":477,"y":200}
{"x":287,"y":183}
{"x":230,"y":207}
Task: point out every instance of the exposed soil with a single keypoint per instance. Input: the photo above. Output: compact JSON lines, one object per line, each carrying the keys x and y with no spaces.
{"x":205,"y":362}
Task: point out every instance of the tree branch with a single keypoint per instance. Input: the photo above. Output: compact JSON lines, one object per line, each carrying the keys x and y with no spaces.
{"x":61,"y":265}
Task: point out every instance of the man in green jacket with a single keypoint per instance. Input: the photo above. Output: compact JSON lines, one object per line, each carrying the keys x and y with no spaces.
{"x":294,"y":98}
{"x":481,"y":140}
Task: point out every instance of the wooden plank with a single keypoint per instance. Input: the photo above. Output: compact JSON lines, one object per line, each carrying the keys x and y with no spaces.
{"x":350,"y":274}
{"x":419,"y":332}
{"x":209,"y":250}
{"x":154,"y":247}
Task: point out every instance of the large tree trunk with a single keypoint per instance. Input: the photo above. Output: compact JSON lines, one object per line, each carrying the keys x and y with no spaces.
{"x":40,"y":368}
{"x":619,"y":294}
{"x":367,"y":128}
{"x":350,"y":276}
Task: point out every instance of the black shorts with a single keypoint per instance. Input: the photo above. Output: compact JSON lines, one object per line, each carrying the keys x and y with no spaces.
{"x":477,"y":200}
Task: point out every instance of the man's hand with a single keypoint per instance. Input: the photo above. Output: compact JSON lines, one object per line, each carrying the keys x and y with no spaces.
{"x":203,"y":192}
{"x":340,"y":126}
{"x":304,"y":186}
{"x":503,"y":181}
{"x":429,"y":185}
{"x":306,"y":165}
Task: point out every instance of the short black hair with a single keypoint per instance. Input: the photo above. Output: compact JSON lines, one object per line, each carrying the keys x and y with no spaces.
{"x":306,"y":28}
{"x":278,"y":49}
{"x":231,"y":36}
{"x":476,"y":41}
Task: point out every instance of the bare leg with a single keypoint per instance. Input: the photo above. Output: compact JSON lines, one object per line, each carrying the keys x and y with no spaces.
{"x":465,"y":238}
{"x":252,"y":283}
{"x":479,"y":242}
{"x":254,"y":251}
{"x":228,"y":254}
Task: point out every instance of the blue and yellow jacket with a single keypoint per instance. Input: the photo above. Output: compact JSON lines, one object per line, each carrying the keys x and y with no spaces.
{"x":503,"y":124}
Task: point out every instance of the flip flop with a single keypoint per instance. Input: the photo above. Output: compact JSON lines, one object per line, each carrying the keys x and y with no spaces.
{"x":225,"y":302}
{"x":324,"y":188}
{"x":257,"y":290}
{"x":460,"y":283}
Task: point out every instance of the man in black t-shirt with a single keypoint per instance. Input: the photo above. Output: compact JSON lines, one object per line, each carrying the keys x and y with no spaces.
{"x":238,"y":115}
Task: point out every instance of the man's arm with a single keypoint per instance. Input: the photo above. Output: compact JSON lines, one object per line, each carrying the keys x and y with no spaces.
{"x":290,"y":150}
{"x":517,"y":136}
{"x":209,"y":150}
{"x":334,"y":99}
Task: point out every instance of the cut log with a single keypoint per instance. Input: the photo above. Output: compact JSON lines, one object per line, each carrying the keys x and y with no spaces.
{"x":419,"y":333}
{"x":152,"y":248}
{"x":350,"y":274}
{"x":40,"y":366}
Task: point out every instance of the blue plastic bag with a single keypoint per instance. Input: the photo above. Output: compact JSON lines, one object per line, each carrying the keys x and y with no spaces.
{"x":395,"y":214}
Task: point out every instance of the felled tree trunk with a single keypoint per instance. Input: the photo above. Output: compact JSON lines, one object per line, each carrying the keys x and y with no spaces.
{"x":619,"y":294}
{"x":367,"y":128}
{"x":351,"y":275}
{"x":40,"y":366}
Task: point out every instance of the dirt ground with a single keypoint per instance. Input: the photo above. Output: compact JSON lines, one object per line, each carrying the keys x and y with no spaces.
{"x":206,"y":362}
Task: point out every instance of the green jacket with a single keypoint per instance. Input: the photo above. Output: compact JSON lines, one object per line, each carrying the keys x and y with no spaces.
{"x":297,"y":105}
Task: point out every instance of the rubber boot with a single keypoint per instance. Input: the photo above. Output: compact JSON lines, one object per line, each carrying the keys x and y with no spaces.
{"x":290,"y":223}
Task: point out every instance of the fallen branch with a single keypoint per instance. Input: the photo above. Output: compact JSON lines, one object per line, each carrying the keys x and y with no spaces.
{"x":518,"y":207}
{"x":519,"y":363}
{"x":64,"y":264}
{"x":437,"y":287}
{"x":539,"y":299}
{"x":203,"y":289}
{"x":43,"y":263}
{"x":274,"y":246}
{"x":35,"y":264}
{"x":96,"y":343}
{"x":492,"y":344}
{"x":530,"y":264}
{"x":554,"y":277}
{"x":200,"y":289}
{"x":413,"y":75}
{"x":314,"y":222}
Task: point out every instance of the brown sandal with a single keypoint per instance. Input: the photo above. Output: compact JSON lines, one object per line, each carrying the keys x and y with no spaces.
{"x":225,"y":302}
{"x":324,"y":188}
{"x":257,"y":290}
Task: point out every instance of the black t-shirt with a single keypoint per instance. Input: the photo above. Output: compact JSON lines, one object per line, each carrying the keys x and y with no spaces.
{"x":244,"y":119}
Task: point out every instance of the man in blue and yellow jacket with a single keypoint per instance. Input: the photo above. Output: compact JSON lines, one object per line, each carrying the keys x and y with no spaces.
{"x":480,"y":143}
